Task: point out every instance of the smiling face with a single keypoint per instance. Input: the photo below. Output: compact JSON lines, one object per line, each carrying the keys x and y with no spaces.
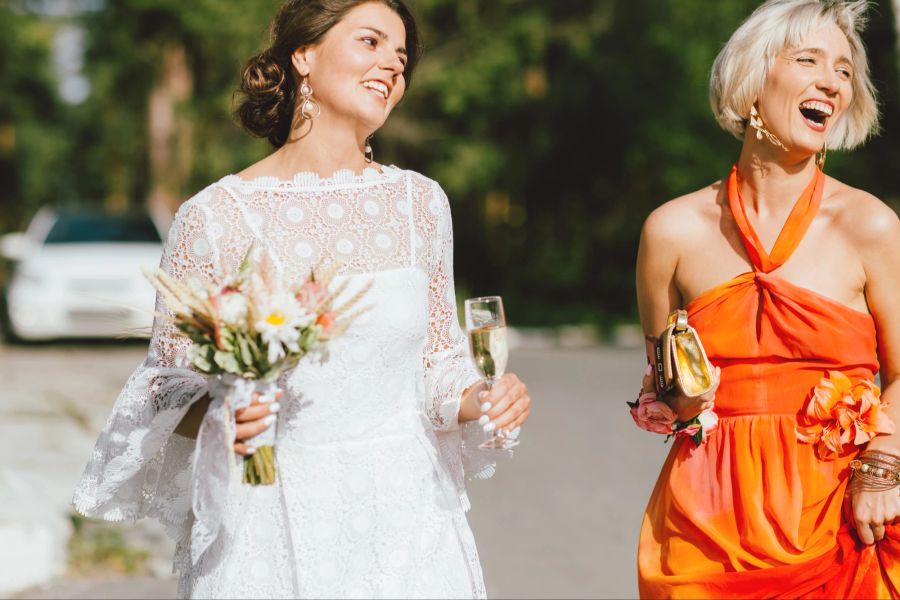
{"x":807,"y":89}
{"x":356,"y":71}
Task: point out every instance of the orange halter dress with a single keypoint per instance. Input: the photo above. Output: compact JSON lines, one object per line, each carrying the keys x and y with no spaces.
{"x":753,"y":512}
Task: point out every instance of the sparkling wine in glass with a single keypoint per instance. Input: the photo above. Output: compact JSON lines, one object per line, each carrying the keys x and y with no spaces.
{"x":486,"y":326}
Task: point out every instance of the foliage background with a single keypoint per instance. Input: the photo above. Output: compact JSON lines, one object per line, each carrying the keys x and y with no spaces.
{"x":555,"y":127}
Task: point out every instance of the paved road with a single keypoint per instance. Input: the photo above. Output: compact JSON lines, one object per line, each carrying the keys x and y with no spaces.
{"x":559,"y":521}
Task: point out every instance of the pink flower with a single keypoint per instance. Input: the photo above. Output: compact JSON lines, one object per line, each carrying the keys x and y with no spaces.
{"x":651,"y":414}
{"x":311,"y":294}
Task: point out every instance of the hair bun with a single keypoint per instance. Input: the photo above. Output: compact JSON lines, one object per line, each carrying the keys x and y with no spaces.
{"x":268,"y":98}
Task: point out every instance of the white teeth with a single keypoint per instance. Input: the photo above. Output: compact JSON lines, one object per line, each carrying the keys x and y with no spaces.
{"x":825,"y":109}
{"x":378,"y":87}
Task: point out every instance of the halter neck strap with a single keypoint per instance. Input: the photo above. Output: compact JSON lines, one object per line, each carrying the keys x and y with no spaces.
{"x":798,"y":222}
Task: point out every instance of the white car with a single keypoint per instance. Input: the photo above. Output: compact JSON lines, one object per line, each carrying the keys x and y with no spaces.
{"x":80,"y":275}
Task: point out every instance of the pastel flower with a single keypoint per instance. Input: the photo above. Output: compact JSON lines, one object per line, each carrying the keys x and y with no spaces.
{"x":278,"y":321}
{"x":233,"y":308}
{"x":652,"y":415}
{"x":311,"y":294}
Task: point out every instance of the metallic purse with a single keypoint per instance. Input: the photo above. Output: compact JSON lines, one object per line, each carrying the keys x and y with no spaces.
{"x":681,"y":361}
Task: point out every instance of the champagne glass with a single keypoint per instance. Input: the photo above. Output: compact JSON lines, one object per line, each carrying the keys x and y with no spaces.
{"x":486,"y":326}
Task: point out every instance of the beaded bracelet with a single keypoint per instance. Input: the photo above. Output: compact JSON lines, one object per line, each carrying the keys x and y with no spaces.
{"x":875,"y":471}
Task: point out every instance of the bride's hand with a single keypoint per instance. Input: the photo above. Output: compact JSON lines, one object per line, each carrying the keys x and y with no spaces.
{"x":872,"y":510}
{"x":253,"y":420}
{"x":506,"y":406}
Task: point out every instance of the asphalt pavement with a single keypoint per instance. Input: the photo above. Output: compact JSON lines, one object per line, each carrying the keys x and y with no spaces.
{"x":560,"y":520}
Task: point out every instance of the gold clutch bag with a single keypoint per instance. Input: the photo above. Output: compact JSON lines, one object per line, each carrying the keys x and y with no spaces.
{"x":681,"y":361}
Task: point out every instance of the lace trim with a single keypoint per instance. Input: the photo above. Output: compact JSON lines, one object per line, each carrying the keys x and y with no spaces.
{"x":307,"y":180}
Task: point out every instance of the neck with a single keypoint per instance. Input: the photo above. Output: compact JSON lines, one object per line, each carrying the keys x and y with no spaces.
{"x":324,"y":147}
{"x":770,"y":178}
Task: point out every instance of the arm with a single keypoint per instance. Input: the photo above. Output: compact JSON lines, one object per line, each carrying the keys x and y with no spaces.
{"x":658,"y":295}
{"x":881,"y":256}
{"x":455,"y":389}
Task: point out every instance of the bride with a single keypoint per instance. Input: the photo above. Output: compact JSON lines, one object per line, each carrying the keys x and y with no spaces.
{"x":374,"y":444}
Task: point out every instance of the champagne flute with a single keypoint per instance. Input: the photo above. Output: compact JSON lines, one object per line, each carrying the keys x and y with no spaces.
{"x":486,"y":326}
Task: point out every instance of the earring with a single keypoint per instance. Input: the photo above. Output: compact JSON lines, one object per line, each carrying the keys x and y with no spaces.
{"x":820,"y":157}
{"x":369,"y":155}
{"x":756,"y":123}
{"x":309,"y":108}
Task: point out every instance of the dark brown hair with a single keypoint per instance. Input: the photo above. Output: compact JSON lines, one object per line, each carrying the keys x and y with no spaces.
{"x":269,"y":82}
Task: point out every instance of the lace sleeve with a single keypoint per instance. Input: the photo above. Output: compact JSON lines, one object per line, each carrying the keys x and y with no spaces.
{"x":448,"y":367}
{"x":139,"y":467}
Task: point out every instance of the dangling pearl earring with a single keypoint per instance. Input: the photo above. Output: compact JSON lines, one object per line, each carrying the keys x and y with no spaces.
{"x":369,"y":155}
{"x":309,"y":108}
{"x":756,"y":123}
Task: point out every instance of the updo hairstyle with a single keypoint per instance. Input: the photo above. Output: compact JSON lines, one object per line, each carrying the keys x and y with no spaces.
{"x":269,"y":81}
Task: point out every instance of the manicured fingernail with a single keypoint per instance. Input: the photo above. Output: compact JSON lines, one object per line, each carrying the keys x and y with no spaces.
{"x":484,"y":420}
{"x":274,"y":407}
{"x":649,"y":370}
{"x":490,"y":427}
{"x":269,"y":420}
{"x":250,"y":450}
{"x":514,"y":434}
{"x":486,"y":407}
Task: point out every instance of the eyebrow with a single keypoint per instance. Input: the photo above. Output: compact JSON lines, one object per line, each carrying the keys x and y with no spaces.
{"x":384,"y":36}
{"x":819,"y":52}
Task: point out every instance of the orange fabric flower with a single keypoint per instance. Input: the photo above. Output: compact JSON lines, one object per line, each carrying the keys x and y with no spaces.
{"x":841,"y":412}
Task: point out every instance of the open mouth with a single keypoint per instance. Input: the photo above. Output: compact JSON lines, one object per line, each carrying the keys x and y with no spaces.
{"x":816,"y":113}
{"x":377,"y":88}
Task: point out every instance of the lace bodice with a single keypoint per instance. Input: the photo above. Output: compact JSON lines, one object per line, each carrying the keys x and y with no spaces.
{"x":391,"y":388}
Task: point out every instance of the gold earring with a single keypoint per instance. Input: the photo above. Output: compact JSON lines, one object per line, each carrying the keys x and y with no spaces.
{"x":369,"y":155}
{"x":820,"y":156}
{"x":309,"y":108}
{"x":756,"y":123}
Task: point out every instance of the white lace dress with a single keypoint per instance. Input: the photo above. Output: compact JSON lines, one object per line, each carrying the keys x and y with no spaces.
{"x":370,"y":499}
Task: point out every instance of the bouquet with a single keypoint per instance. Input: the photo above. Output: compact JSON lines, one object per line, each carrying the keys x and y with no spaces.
{"x":247,"y":331}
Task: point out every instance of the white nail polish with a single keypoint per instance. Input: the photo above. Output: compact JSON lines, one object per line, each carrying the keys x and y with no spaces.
{"x":484,"y":420}
{"x":490,"y":427}
{"x":514,"y":434}
{"x":250,"y":450}
{"x":486,"y":407}
{"x":269,"y":420}
{"x":274,"y":407}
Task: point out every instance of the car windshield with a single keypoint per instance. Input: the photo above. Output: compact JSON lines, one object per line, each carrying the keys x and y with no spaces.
{"x":87,"y":229}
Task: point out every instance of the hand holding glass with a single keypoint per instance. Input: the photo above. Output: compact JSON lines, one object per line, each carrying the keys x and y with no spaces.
{"x":486,"y":326}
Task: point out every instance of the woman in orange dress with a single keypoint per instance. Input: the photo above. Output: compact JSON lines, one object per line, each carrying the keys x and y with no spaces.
{"x":792,"y":280}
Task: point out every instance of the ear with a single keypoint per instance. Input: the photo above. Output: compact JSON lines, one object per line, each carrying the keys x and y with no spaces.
{"x":302,"y":59}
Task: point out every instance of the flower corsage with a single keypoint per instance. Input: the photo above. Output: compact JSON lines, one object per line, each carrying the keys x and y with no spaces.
{"x":651,"y":414}
{"x":842,"y":412}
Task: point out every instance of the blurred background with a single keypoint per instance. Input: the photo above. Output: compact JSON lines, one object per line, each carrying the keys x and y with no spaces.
{"x":554,"y":126}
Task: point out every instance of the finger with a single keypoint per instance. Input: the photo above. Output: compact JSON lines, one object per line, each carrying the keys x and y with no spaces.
{"x":878,"y":531}
{"x":244,"y":449}
{"x":245,"y":431}
{"x":865,"y":532}
{"x":502,"y":387}
{"x":509,"y":416}
{"x":255,"y":412}
{"x":520,"y":420}
{"x":501,"y":403}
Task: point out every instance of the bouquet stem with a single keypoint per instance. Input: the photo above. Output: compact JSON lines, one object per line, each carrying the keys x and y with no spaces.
{"x":259,"y":467}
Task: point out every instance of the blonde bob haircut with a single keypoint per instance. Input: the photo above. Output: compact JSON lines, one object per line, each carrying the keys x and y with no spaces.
{"x":740,"y":70}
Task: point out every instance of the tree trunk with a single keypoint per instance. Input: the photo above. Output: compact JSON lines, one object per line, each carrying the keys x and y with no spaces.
{"x":169,"y":134}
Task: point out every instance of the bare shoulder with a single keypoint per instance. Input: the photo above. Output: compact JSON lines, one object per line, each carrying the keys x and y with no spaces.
{"x":684,"y":217}
{"x":863,"y":218}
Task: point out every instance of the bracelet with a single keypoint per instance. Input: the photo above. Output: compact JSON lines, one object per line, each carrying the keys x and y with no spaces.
{"x":874,"y":471}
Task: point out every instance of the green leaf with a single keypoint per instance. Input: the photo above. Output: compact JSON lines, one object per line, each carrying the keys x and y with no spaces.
{"x":227,"y":362}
